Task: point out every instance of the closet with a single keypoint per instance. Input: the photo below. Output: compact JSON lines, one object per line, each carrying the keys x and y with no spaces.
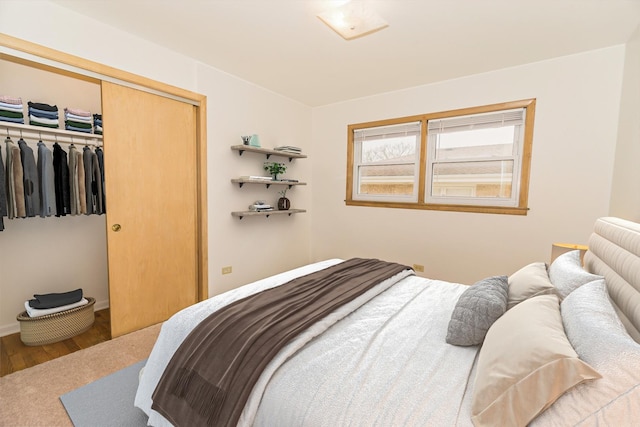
{"x":154,"y":145}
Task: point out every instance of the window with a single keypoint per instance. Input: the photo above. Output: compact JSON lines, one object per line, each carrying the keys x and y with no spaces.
{"x":475,"y":160}
{"x":386,"y":162}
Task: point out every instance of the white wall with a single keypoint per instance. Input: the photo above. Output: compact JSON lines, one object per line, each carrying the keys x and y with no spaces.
{"x":578,"y":98}
{"x":625,"y":197}
{"x":254,"y":247}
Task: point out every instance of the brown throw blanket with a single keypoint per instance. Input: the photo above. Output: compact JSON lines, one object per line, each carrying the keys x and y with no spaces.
{"x":211,"y":375}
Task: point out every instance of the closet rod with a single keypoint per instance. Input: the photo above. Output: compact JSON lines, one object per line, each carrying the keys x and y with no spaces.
{"x":17,"y":130}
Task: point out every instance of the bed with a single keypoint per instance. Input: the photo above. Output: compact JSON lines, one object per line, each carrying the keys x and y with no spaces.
{"x":547,"y":345}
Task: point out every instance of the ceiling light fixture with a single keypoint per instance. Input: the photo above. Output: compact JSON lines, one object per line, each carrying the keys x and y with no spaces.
{"x":353,"y":20}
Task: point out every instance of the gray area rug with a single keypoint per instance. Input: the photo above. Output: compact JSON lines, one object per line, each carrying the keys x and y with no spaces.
{"x":107,"y":402}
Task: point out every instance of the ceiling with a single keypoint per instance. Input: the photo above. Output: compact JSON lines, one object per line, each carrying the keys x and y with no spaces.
{"x":282,"y":46}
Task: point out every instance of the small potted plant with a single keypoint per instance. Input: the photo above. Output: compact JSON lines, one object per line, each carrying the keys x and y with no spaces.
{"x":275,"y":169}
{"x":283,"y":203}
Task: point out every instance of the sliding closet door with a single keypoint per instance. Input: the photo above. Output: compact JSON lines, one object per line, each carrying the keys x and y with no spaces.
{"x":151,"y":188}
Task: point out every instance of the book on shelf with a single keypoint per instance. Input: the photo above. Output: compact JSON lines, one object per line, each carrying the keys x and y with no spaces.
{"x":260,"y":207}
{"x":289,"y":148}
{"x":257,"y":178}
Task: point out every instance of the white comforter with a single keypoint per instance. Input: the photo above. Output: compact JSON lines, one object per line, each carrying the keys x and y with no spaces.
{"x":384,"y":364}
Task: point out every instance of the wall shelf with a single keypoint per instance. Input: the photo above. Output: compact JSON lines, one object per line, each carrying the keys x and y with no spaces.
{"x":267,"y":213}
{"x":50,"y":134}
{"x":266,"y":151}
{"x":246,"y":179}
{"x":242,"y":181}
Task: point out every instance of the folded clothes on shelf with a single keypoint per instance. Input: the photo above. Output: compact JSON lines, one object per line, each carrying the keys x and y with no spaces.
{"x":44,"y":115}
{"x":11,"y":109}
{"x":80,"y":119}
{"x":81,"y":125}
{"x":77,"y":112}
{"x":42,"y":106}
{"x":11,"y":119}
{"x":11,"y":99}
{"x":43,"y":120}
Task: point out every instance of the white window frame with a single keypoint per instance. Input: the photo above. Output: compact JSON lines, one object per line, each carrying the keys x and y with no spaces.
{"x":496,"y":119}
{"x":381,"y":132}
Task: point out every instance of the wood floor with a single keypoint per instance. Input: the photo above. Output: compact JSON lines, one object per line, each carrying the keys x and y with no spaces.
{"x":15,"y":356}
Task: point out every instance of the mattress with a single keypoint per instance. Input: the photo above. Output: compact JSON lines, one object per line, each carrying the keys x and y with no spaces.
{"x":350,"y":358}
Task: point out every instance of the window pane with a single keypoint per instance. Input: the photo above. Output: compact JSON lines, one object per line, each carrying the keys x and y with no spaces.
{"x":387,"y":165}
{"x":384,"y":150}
{"x":472,"y":179}
{"x":478,"y":143}
{"x":389,"y":179}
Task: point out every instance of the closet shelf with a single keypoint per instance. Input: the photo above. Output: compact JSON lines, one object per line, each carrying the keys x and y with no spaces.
{"x":266,"y":151}
{"x":51,"y":134}
{"x":241,"y":181}
{"x":267,"y":213}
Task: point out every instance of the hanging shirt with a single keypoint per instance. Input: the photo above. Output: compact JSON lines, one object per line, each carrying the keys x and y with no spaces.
{"x":17,"y":181}
{"x":96,"y":185}
{"x":88,"y":180}
{"x":30,"y":179}
{"x":11,"y":190}
{"x":46,"y":181}
{"x":73,"y":181}
{"x":61,"y":181}
{"x":100,"y":155}
{"x":3,"y":195}
{"x":82,"y":194}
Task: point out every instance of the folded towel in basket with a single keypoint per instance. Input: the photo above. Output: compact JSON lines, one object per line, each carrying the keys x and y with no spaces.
{"x":35,"y":312}
{"x":54,"y":300}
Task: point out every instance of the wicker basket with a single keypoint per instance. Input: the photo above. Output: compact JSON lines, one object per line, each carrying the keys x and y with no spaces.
{"x":57,"y":326}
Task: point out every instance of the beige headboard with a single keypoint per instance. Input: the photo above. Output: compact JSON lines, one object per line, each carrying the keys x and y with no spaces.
{"x":614,"y":252}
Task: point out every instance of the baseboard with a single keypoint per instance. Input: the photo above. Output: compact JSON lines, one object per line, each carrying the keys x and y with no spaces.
{"x":14,"y":328}
{"x":101,"y":305}
{"x":9,"y":329}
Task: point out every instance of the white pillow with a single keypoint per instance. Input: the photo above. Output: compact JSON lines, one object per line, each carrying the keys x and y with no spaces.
{"x":530,"y":281}
{"x":600,"y":339}
{"x":526,"y":362}
{"x":566,"y":273}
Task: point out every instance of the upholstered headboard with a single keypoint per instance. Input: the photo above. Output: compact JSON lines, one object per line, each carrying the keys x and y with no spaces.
{"x":614,"y":252}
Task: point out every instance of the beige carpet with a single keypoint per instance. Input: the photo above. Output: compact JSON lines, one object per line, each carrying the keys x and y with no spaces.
{"x":31,"y":397}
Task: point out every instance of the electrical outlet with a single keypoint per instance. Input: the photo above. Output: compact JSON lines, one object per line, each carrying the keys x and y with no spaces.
{"x":419,"y":268}
{"x":226,"y":270}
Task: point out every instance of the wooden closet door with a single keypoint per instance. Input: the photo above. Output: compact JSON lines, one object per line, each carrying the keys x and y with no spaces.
{"x":151,"y":197}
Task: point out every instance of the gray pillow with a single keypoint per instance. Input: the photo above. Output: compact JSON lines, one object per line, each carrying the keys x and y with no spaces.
{"x":478,"y":307}
{"x":566,"y":273}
